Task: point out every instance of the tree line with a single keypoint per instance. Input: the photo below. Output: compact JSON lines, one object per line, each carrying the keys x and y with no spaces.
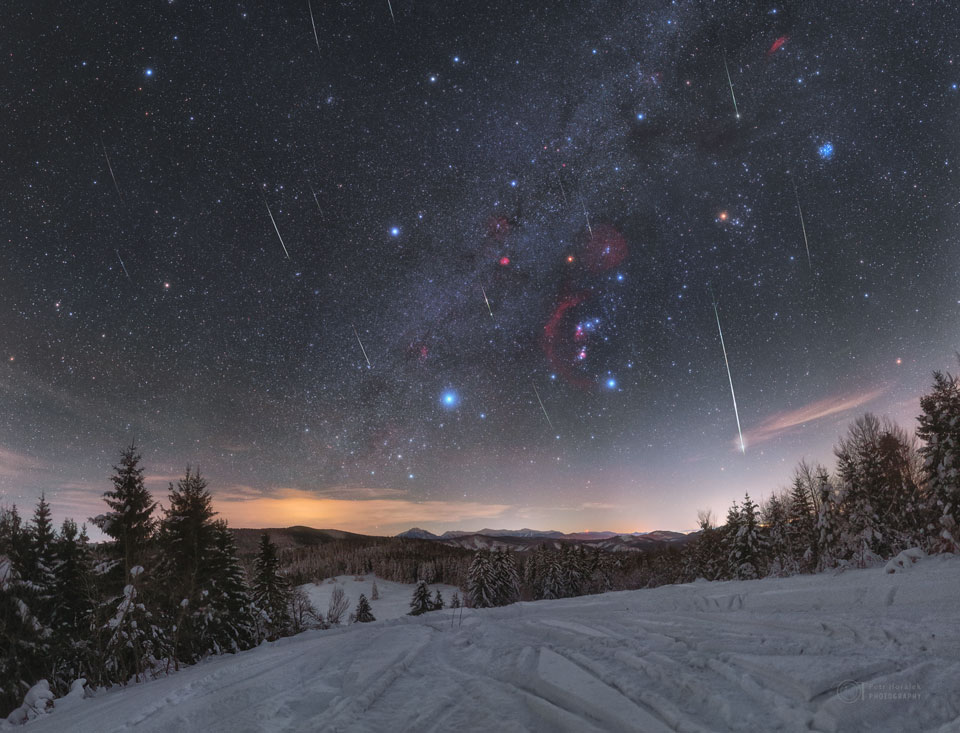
{"x":163,"y":592}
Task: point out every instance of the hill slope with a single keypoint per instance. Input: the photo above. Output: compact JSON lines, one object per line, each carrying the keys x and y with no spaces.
{"x":859,"y":651}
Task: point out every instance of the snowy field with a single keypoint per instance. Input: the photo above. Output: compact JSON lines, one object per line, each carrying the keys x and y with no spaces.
{"x":394,"y":597}
{"x":860,"y":651}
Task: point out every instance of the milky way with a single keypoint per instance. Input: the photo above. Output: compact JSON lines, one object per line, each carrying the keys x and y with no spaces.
{"x":478,"y":215}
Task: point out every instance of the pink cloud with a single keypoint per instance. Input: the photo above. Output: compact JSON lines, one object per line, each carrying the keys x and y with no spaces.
{"x":780,"y":422}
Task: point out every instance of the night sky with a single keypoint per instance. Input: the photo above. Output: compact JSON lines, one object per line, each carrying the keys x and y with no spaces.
{"x":212,"y":219}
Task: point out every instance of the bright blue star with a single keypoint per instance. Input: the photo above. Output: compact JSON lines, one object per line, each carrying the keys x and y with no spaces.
{"x":148,"y":72}
{"x":611,"y":383}
{"x":456,"y":59}
{"x":395,"y":232}
{"x":826,"y":151}
{"x":641,"y":116}
{"x":449,"y":399}
{"x":620,"y":277}
{"x":513,"y":183}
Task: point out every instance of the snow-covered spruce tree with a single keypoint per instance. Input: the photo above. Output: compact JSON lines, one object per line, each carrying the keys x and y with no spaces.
{"x":749,"y":544}
{"x":940,"y":430}
{"x":232,"y":622}
{"x":129,"y":522}
{"x":802,"y":527}
{"x":186,"y":539}
{"x":729,"y":533}
{"x":861,"y":477}
{"x":38,"y":559}
{"x":455,"y":601}
{"x":363,"y":613}
{"x":830,"y":552}
{"x":132,"y":642}
{"x":506,"y":580}
{"x":271,"y":591}
{"x":779,"y":551}
{"x":437,"y":602}
{"x":481,"y":587}
{"x":24,"y":641}
{"x":708,"y":560}
{"x":72,"y":605}
{"x":420,"y":602}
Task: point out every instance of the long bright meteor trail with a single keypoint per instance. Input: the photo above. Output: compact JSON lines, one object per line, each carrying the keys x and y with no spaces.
{"x":390,"y":5}
{"x":537,"y":392}
{"x":802,"y":225}
{"x":316,"y":200}
{"x":743,"y":448}
{"x":560,"y":181}
{"x":584,"y":205}
{"x":730,"y":82}
{"x":274,"y":221}
{"x":485,"y":299}
{"x":110,"y":167}
{"x":361,"y":347}
{"x":315,"y":38}
{"x":121,"y":264}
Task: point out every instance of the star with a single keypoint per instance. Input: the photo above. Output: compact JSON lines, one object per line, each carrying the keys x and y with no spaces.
{"x":825,"y":151}
{"x":449,"y":399}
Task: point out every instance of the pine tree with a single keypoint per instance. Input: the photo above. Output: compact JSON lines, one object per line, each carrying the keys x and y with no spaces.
{"x":271,"y":591}
{"x":186,"y":537}
{"x":420,"y":603}
{"x":24,"y":644}
{"x":363,"y":612}
{"x":777,"y":527}
{"x":506,"y":580}
{"x":130,"y":521}
{"x":749,"y":544}
{"x":39,"y":561}
{"x":132,"y":642}
{"x":861,"y":477}
{"x":232,"y":625}
{"x":72,"y":607}
{"x":437,"y":601}
{"x":481,"y":588}
{"x":455,"y":601}
{"x":802,"y":528}
{"x":828,"y":532}
{"x":940,"y":430}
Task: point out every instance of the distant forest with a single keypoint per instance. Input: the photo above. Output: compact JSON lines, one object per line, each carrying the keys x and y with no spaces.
{"x":171,"y":587}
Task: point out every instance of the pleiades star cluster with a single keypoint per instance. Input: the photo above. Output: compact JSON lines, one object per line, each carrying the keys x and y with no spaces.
{"x":471,"y":253}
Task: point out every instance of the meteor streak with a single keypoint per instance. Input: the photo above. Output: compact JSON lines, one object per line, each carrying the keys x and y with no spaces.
{"x":361,"y":346}
{"x":584,"y":204}
{"x":537,"y":392}
{"x":390,"y":5}
{"x":743,"y":448}
{"x":110,"y":168}
{"x":802,"y":225}
{"x":485,"y":299}
{"x":310,"y":6}
{"x":316,"y":200}
{"x":730,"y":82}
{"x":274,"y":221}
{"x":121,"y":264}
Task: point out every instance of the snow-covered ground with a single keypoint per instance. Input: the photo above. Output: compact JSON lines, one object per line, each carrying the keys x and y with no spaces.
{"x":859,"y":651}
{"x":394,"y":598}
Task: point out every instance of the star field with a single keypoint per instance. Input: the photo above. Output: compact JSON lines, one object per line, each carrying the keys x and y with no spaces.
{"x":470,"y":255}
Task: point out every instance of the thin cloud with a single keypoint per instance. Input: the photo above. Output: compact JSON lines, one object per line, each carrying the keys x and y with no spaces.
{"x":782,"y":421}
{"x":288,"y":507}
